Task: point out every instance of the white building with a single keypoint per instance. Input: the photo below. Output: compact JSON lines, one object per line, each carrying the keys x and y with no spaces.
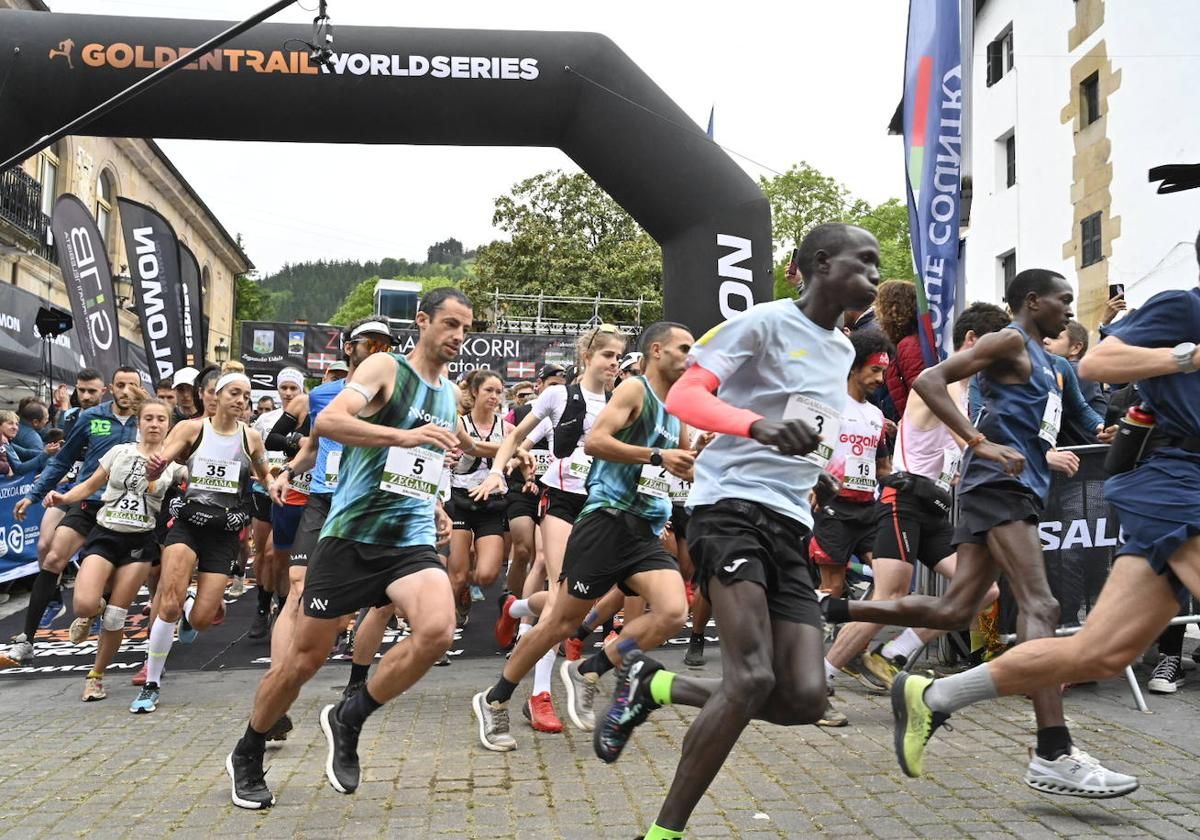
{"x":1072,"y":104}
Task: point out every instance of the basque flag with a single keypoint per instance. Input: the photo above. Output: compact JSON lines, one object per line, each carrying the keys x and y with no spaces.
{"x":521,"y":370}
{"x":933,"y":144}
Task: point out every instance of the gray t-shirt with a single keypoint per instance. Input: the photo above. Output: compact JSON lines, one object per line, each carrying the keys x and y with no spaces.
{"x":772,"y":360}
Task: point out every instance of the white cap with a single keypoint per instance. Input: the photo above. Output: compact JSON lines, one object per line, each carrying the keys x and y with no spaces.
{"x":376,"y":327}
{"x":185,"y":376}
{"x":631,"y":360}
{"x":289,"y":375}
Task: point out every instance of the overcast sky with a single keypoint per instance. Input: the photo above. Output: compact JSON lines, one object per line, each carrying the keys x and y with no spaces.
{"x":806,"y":80}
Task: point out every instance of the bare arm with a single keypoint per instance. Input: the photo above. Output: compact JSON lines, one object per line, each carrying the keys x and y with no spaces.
{"x":1112,"y":360}
{"x":616,"y":415}
{"x":179,"y":442}
{"x":508,"y":447}
{"x":258,"y":458}
{"x":81,"y":491}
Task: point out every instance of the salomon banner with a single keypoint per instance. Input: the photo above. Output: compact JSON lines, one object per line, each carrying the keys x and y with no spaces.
{"x":933,"y":144}
{"x":18,"y":540}
{"x":22,"y":348}
{"x":88,"y":279}
{"x":153,"y":252}
{"x":191,"y":308}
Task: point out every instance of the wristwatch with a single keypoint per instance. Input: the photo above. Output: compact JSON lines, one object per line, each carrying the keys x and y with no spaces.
{"x":1183,"y":355}
{"x":289,"y":470}
{"x":656,"y":457}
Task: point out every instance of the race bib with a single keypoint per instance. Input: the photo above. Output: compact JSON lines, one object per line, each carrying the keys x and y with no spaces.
{"x":820,"y":417}
{"x":1051,"y":418}
{"x":678,"y":489}
{"x":580,"y":465}
{"x":302,"y":482}
{"x":333,"y":462}
{"x":654,"y":482}
{"x":217,"y":475}
{"x":414,"y":472}
{"x":127,"y":512}
{"x":951,"y":461}
{"x":542,"y":459}
{"x":276,"y":461}
{"x":860,"y":474}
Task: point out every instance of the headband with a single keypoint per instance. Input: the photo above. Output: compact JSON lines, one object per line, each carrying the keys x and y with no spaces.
{"x":881,"y":359}
{"x":371,"y":327}
{"x":289,"y":375}
{"x":230,"y":378}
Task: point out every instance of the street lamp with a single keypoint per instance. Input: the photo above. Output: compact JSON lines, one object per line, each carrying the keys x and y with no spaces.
{"x":221,"y":350}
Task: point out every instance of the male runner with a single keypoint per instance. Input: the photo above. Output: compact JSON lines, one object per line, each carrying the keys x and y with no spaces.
{"x":396,"y":418}
{"x":615,"y":540}
{"x":1002,"y":491}
{"x":96,"y":431}
{"x":1156,"y":506}
{"x":772,"y":382}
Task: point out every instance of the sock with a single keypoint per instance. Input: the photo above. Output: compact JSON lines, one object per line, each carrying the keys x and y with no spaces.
{"x":45,"y":585}
{"x":836,"y":610}
{"x":252,"y":743}
{"x":358,"y":673}
{"x":1170,"y":643}
{"x":95,"y":675}
{"x":978,"y":640}
{"x":522,"y":629}
{"x":696,"y":638}
{"x":520,"y":609}
{"x":264,"y":601}
{"x":830,"y":671}
{"x":906,"y":644}
{"x":660,"y":693}
{"x":355,"y":711}
{"x":657,"y":832}
{"x":162,"y":636}
{"x":542,"y":672}
{"x":949,"y":694}
{"x":626,"y":647}
{"x":590,"y":620}
{"x":188,"y":603}
{"x":1053,"y":741}
{"x":583,"y":632}
{"x":501,"y":691}
{"x":597,"y":663}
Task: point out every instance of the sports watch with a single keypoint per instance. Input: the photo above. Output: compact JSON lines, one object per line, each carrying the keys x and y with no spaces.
{"x":1184,"y":354}
{"x":656,"y":457}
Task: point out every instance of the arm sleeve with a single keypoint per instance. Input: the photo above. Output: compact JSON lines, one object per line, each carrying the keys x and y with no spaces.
{"x":276,"y":439}
{"x":1073,"y":402}
{"x":693,"y":399}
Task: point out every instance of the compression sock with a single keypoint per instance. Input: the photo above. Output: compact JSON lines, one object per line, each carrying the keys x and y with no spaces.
{"x":45,"y":585}
{"x":358,"y":673}
{"x":906,"y":644}
{"x":251,"y":743}
{"x":588,"y":627}
{"x":264,"y":601}
{"x":949,"y":694}
{"x":597,"y":663}
{"x":830,"y":671}
{"x":657,"y":832}
{"x":542,"y":672}
{"x":520,"y":609}
{"x":162,"y":636}
{"x":660,"y":692}
{"x":501,"y":691}
{"x":1053,"y":742}
{"x":355,"y":711}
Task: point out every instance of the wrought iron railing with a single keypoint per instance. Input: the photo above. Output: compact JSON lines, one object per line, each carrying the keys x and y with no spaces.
{"x":21,"y":203}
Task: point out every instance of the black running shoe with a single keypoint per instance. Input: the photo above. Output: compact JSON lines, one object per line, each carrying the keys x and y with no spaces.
{"x":341,"y":765}
{"x":280,"y":730}
{"x":259,"y":627}
{"x":352,"y":688}
{"x":694,"y":658}
{"x":249,"y":787}
{"x":631,"y":705}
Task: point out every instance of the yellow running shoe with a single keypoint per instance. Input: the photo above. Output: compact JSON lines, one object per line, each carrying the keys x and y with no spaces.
{"x":880,"y":666}
{"x":915,"y":721}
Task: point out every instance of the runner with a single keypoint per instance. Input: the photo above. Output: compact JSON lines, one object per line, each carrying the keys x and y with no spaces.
{"x":220,"y":452}
{"x":615,"y":541}
{"x":395,"y":417}
{"x":1001,"y":493}
{"x":96,"y":431}
{"x":1155,"y":501}
{"x":121,"y":546}
{"x":783,"y":365}
{"x":572,"y":409}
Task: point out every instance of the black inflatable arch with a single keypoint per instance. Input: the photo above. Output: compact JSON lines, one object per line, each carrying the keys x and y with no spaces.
{"x":416,"y":86}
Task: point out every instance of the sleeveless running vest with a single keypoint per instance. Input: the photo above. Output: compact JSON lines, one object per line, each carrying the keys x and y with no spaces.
{"x":1015,"y":416}
{"x":386,"y":496}
{"x":470,"y":471}
{"x":325,"y":470}
{"x":932,"y":452}
{"x":219,"y":467}
{"x":640,"y":489}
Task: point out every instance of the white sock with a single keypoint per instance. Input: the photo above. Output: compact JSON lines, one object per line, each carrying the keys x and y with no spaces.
{"x":542,"y":672}
{"x":162,"y":636}
{"x":830,"y":671}
{"x":950,"y":694}
{"x":520,"y":609}
{"x":906,"y":644}
{"x":188,"y":603}
{"x":522,"y":629}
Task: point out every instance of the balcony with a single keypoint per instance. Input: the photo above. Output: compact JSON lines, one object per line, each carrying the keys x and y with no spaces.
{"x":21,"y":218}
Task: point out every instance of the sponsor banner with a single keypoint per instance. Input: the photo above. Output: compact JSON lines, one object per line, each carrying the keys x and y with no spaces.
{"x":153,"y":253}
{"x":18,"y":540}
{"x":22,"y":350}
{"x":88,"y":279}
{"x":191,"y":309}
{"x":933,"y":144}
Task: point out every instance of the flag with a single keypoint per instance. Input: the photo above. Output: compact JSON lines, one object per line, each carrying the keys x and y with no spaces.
{"x":153,"y":251}
{"x":933,"y":143}
{"x":521,"y":370}
{"x":709,"y":132}
{"x":320,"y":361}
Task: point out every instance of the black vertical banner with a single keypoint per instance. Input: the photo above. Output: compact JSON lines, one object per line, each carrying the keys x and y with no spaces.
{"x":190,"y":308}
{"x":153,"y":252}
{"x":88,"y":279}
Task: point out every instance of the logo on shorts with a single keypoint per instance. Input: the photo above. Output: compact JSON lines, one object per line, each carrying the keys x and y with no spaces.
{"x":318,"y":604}
{"x":735,"y":565}
{"x":581,"y":587}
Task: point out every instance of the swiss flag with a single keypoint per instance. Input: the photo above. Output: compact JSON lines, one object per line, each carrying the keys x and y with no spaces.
{"x":521,"y":370}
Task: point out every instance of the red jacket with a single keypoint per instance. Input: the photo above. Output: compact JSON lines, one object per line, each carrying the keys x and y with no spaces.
{"x":904,"y":370}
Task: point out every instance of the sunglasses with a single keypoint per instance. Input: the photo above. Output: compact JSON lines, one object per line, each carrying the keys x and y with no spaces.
{"x":603,"y":328}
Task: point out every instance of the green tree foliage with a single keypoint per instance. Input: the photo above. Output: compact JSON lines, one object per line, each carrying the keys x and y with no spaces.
{"x":359,"y":302}
{"x":568,"y":237}
{"x":252,"y":304}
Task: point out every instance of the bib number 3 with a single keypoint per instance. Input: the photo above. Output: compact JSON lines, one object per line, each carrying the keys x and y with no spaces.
{"x":823,"y":419}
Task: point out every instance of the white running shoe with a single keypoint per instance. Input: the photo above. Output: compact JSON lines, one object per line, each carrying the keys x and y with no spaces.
{"x":1168,"y":675}
{"x":1077,"y":774}
{"x":493,"y":724}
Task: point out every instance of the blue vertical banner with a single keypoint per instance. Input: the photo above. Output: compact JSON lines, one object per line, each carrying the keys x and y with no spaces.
{"x":933,"y":145}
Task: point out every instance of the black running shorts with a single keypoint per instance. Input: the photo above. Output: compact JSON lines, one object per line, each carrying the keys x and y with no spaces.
{"x":483,"y":520}
{"x":736,"y":540}
{"x":81,"y":517}
{"x":912,"y":529}
{"x":986,"y":506}
{"x":842,"y":529}
{"x":309,"y":531}
{"x":344,"y":576}
{"x":521,"y":503}
{"x":606,"y":548}
{"x":216,"y":549}
{"x":260,"y":506}
{"x":679,"y":521}
{"x":120,"y":548}
{"x":563,"y":505}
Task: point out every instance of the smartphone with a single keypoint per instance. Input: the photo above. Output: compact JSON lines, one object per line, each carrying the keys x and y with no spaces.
{"x":1115,"y":289}
{"x":794,"y":265}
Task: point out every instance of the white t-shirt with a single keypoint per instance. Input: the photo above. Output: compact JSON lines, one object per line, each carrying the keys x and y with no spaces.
{"x":131,"y":503}
{"x":854,"y":456}
{"x":568,"y":474}
{"x":764,"y":358}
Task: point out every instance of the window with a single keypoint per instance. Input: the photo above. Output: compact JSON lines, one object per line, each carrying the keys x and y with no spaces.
{"x":1089,"y":234}
{"x":49,"y":179}
{"x":104,"y":202}
{"x":1089,"y":99}
{"x":1008,"y":268}
{"x":1000,"y":56}
{"x":1010,"y":160}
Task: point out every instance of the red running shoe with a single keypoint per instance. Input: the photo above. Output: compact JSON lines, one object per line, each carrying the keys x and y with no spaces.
{"x":140,"y":677}
{"x":573,"y":649}
{"x":541,"y":714}
{"x":506,"y":625}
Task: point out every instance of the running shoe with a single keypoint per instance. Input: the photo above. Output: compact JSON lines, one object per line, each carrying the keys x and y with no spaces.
{"x":462,"y":615}
{"x":539,"y":711}
{"x":237,"y":587}
{"x":476,"y":593}
{"x":1077,"y":774}
{"x":81,"y":629}
{"x":341,"y":644}
{"x":248,"y":784}
{"x":880,"y":666}
{"x":831,"y":718}
{"x":694,"y":658}
{"x":581,"y":695}
{"x":140,"y":677}
{"x":915,"y":722}
{"x":630,"y":707}
{"x":279,"y":732}
{"x":856,"y":669}
{"x":506,"y":625}
{"x":444,"y":661}
{"x":54,"y":611}
{"x":1168,"y":675}
{"x":19,"y":653}
{"x":187,"y":633}
{"x":258,"y":627}
{"x":573,"y":649}
{"x":352,"y":688}
{"x":146,"y":701}
{"x":93,"y":689}
{"x":341,"y":764}
{"x":493,"y":724}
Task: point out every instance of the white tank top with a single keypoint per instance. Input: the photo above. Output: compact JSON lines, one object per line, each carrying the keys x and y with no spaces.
{"x":470,"y":471}
{"x":219,"y":467}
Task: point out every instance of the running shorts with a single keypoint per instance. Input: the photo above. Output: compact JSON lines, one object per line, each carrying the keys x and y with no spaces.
{"x":563,"y":505}
{"x":487,"y":519}
{"x":216,"y":549}
{"x":606,"y":548}
{"x":679,"y":521}
{"x":260,"y":506}
{"x":521,"y":503}
{"x":986,"y":506}
{"x":344,"y":576}
{"x":911,"y":529}
{"x":81,"y":517}
{"x":120,"y":548}
{"x":309,"y":531}
{"x":843,"y":529}
{"x":285,"y":520}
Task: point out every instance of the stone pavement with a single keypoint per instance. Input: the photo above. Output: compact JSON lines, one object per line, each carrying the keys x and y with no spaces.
{"x":76,"y":769}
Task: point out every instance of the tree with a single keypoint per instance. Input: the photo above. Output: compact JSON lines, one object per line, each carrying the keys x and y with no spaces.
{"x":252,"y":302}
{"x":568,"y":237}
{"x":889,"y":223}
{"x":450,"y":251}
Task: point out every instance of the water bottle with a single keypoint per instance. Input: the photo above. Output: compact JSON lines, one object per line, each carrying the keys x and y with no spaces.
{"x":1133,"y":433}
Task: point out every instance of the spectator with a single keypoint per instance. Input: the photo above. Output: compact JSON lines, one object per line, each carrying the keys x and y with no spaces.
{"x":522,"y":401}
{"x":896,"y":314}
{"x":1071,"y":345}
{"x":165,"y":391}
{"x":265,"y":406}
{"x":187,"y":405}
{"x":9,"y":424}
{"x":28,"y":443}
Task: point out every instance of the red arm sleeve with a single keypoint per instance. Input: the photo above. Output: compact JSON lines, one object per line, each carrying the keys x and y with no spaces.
{"x":693,"y":399}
